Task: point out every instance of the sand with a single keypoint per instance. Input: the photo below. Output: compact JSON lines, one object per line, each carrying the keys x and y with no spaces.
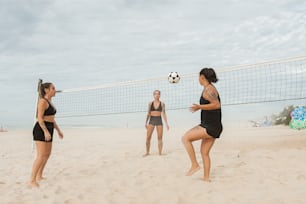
{"x":100,"y":165}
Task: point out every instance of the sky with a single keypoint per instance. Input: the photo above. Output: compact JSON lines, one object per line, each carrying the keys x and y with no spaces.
{"x":77,"y":43}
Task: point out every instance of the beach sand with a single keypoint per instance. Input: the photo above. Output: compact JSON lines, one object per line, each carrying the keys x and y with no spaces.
{"x":99,"y":165}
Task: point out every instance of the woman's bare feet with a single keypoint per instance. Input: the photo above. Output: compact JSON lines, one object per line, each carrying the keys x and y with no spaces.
{"x":40,"y":178}
{"x":192,"y":170}
{"x":206,"y":179}
{"x":33,"y":184}
{"x":147,"y":154}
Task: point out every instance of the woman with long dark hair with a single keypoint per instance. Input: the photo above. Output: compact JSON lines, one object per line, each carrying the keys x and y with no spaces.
{"x":210,"y":127}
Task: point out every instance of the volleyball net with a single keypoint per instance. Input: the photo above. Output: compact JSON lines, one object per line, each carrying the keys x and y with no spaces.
{"x":278,"y":80}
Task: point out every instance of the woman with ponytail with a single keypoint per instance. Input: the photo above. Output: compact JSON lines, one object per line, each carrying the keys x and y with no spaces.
{"x":210,"y":127}
{"x":43,"y":131}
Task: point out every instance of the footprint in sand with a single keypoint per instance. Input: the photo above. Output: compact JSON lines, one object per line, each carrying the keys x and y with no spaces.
{"x":240,"y":164}
{"x":59,"y":190}
{"x":301,"y":177}
{"x":234,"y":165}
{"x":70,"y":201}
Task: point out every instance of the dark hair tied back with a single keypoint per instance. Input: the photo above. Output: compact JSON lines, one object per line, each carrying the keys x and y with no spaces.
{"x":209,"y":74}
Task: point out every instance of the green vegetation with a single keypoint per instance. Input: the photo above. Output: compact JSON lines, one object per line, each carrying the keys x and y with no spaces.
{"x":283,"y":118}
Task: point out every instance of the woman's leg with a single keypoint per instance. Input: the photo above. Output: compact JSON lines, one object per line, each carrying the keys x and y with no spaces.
{"x":159,"y":129}
{"x":46,"y":156}
{"x":40,"y":149}
{"x":206,"y":146}
{"x":148,"y":140}
{"x":191,"y":135}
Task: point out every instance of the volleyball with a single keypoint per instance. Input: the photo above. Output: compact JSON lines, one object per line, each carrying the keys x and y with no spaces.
{"x":173,"y":77}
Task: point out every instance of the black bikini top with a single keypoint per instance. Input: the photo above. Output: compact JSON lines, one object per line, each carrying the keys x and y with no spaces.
{"x":50,"y":110}
{"x":158,"y":109}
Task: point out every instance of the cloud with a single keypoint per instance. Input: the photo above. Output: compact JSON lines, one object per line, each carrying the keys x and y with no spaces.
{"x":89,"y":36}
{"x":85,"y":37}
{"x":18,"y":20}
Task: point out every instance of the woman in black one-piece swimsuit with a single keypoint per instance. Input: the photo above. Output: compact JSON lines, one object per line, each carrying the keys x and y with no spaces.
{"x":211,"y":125}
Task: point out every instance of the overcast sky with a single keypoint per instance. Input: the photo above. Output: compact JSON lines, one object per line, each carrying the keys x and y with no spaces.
{"x":77,"y":43}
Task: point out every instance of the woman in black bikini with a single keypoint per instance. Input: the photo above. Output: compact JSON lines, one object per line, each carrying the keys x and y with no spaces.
{"x":156,"y":112}
{"x":210,"y":127}
{"x":43,"y":132}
